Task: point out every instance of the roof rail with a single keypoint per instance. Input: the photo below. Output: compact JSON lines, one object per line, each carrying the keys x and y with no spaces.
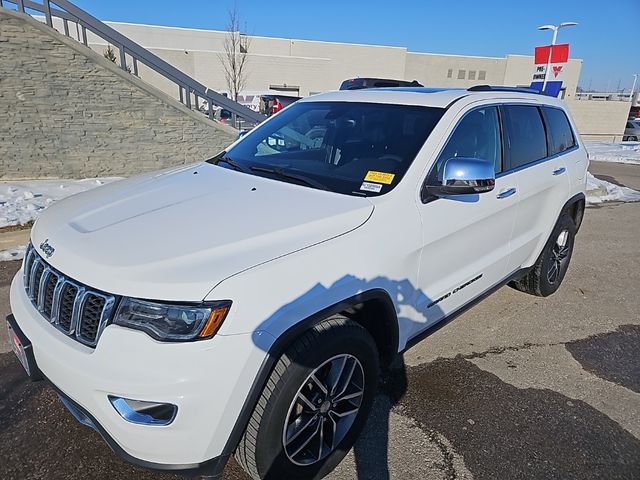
{"x":188,"y":88}
{"x":500,"y":88}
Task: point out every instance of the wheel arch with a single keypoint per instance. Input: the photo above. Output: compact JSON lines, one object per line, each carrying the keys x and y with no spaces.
{"x":575,"y":208}
{"x":373,"y":309}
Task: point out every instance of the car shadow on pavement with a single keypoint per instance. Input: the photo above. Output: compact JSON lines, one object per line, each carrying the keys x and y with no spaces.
{"x":371,"y":451}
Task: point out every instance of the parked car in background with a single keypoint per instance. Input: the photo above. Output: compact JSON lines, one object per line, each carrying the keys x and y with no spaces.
{"x":632,"y":131}
{"x":359,"y":83}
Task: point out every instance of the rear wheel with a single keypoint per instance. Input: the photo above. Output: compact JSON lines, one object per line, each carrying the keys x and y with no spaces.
{"x":314,"y":405}
{"x":547,"y":273}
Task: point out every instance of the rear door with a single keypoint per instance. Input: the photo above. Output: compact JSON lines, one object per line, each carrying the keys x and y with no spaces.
{"x":542,"y":179}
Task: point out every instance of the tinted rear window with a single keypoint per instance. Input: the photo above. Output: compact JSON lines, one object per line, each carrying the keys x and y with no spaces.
{"x":527,"y":139}
{"x":560,"y":134}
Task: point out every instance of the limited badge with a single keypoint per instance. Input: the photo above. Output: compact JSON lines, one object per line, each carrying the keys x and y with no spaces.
{"x":379,"y":177}
{"x":371,"y":187}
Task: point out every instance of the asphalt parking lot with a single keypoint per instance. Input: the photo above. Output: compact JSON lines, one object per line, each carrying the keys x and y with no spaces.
{"x":518,"y":387}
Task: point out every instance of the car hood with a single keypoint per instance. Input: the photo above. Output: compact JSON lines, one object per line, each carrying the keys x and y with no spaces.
{"x":174,"y":235}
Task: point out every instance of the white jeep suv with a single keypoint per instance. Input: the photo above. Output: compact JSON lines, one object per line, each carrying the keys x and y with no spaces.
{"x":245,"y":304}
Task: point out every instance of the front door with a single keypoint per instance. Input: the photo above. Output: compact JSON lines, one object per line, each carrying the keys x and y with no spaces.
{"x":466,"y":238}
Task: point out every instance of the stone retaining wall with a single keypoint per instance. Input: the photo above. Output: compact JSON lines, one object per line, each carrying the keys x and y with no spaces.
{"x":67,"y":112}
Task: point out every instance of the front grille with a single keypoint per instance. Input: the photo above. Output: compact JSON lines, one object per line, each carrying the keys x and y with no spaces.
{"x":91,"y":315}
{"x":75,"y":309}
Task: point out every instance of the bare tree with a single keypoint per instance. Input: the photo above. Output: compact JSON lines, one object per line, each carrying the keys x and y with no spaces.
{"x":234,"y":55}
{"x":110,"y":55}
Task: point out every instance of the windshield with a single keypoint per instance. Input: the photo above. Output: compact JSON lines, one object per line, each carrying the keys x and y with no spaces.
{"x":351,"y":148}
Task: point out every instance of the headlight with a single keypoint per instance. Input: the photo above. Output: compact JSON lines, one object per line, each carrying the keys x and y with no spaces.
{"x":173,"y":323}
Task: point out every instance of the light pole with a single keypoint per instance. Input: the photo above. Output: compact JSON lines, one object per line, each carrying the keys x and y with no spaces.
{"x":555,"y":29}
{"x":633,"y":87}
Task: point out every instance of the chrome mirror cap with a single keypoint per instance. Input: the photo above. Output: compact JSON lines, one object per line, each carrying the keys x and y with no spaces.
{"x":465,"y":176}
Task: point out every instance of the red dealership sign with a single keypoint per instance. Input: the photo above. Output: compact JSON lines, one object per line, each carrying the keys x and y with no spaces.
{"x":559,"y":54}
{"x":556,"y":57}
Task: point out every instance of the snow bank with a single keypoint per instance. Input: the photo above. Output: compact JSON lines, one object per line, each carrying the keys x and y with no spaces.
{"x":599,"y":191}
{"x":13,"y":254}
{"x":22,"y":202}
{"x":625,"y":152}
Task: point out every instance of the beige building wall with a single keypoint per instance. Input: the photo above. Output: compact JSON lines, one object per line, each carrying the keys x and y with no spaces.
{"x":435,"y":70}
{"x":599,"y":120}
{"x":312,"y":66}
{"x":316,"y":66}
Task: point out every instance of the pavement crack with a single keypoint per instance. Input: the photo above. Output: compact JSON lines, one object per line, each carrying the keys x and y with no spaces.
{"x":501,"y":350}
{"x":447,"y":467}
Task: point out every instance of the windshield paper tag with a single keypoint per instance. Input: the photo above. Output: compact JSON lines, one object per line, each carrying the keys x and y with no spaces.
{"x":371,"y":187}
{"x":379,"y":177}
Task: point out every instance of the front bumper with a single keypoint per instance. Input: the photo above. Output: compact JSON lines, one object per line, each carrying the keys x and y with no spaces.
{"x":208,"y":381}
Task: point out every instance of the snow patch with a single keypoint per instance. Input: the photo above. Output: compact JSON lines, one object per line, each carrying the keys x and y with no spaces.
{"x":624,"y":152}
{"x":13,"y":254}
{"x":599,"y":191}
{"x":22,"y":202}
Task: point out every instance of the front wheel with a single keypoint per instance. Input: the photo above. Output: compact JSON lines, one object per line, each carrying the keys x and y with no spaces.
{"x":314,"y":405}
{"x":547,"y":273}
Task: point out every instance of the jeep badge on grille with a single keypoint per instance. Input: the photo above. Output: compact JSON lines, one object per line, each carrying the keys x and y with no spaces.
{"x":46,"y":248}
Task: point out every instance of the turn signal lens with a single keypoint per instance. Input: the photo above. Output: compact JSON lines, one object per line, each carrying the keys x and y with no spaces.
{"x":216,"y":317}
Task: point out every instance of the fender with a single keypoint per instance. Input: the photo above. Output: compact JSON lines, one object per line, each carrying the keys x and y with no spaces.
{"x":287,"y":338}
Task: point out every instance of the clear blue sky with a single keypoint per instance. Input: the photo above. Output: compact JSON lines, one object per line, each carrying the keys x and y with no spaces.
{"x":607,"y":37}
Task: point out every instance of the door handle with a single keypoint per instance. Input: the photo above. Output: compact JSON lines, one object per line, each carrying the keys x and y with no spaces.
{"x":559,"y":171}
{"x":506,"y":193}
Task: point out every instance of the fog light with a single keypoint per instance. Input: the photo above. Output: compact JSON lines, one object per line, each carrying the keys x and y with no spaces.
{"x":144,"y":413}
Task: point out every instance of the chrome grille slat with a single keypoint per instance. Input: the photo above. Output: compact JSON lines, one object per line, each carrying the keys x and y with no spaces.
{"x":76,"y":310}
{"x":28,"y":262}
{"x":32,"y":277}
{"x":90,"y":328}
{"x":48,"y":293}
{"x":41,"y":286}
{"x":55,"y":306}
{"x":68,"y":295}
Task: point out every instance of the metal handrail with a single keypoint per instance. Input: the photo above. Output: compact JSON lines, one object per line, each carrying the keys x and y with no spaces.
{"x":187,"y":86}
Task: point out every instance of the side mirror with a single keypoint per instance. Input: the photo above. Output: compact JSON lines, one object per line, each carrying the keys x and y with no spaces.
{"x":464,"y":176}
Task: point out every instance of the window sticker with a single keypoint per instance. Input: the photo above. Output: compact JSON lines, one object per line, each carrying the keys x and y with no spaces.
{"x":371,"y":187}
{"x":379,"y":177}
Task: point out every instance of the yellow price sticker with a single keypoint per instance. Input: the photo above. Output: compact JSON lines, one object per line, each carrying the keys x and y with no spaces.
{"x":379,"y":177}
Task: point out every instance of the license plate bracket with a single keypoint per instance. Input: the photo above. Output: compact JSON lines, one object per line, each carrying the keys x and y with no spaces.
{"x":23,"y":349}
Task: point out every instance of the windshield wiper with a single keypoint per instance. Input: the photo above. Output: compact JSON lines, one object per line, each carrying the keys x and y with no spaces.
{"x":279,"y":172}
{"x":229,"y":161}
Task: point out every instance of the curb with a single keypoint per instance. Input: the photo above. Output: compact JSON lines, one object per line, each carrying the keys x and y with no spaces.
{"x":17,"y":238}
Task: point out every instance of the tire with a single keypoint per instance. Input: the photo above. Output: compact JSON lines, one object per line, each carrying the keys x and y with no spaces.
{"x":547,"y":273}
{"x":269,"y":450}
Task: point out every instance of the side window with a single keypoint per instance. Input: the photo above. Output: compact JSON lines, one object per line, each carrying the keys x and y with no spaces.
{"x":478,"y":136}
{"x":629,"y":125}
{"x":559,"y":130}
{"x":527,"y":139}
